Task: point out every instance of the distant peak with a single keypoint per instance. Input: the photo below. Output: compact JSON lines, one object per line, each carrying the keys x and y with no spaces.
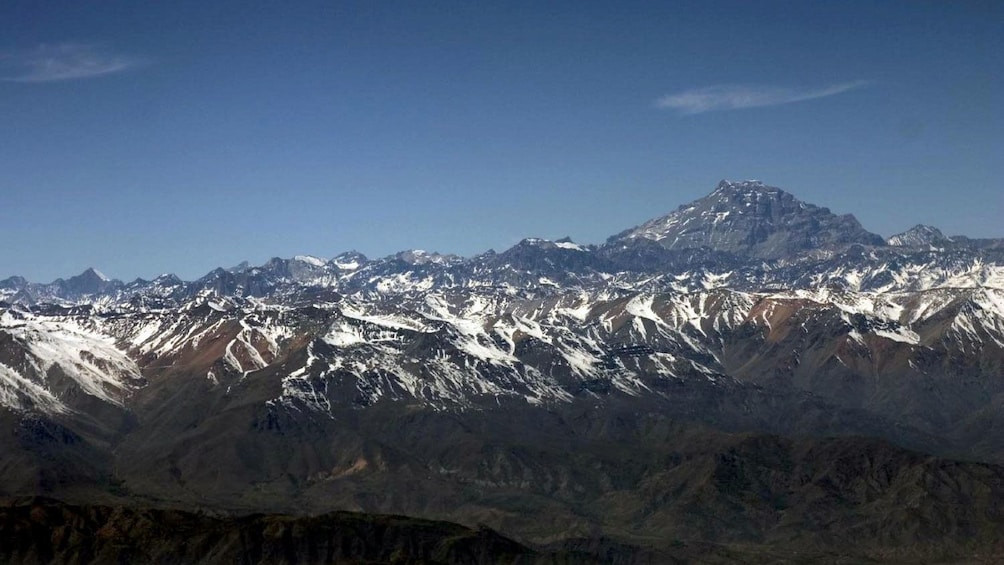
{"x":92,"y":272}
{"x":534,"y":241}
{"x":750,"y":218}
{"x":349,"y":260}
{"x":421,"y":257}
{"x":310,"y":260}
{"x":918,"y":236}
{"x":242,"y":266}
{"x":547,"y":244}
{"x":90,"y":281}
{"x":924,"y":228}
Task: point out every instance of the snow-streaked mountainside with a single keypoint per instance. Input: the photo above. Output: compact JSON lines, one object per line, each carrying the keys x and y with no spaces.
{"x":751,"y":219}
{"x":918,"y":236}
{"x":746,"y":368}
{"x":746,"y":285}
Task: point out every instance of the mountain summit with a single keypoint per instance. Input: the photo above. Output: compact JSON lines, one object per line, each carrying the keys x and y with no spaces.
{"x":919,"y":236}
{"x":752,"y":219}
{"x":89,"y":282}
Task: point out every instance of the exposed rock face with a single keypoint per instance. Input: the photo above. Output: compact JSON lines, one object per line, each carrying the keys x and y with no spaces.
{"x":751,"y":219}
{"x":919,"y":236}
{"x":89,"y":283}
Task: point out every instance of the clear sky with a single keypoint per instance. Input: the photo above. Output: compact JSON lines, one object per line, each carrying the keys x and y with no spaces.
{"x":151,"y":137}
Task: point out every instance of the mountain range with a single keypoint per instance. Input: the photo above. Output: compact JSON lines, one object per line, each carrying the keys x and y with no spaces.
{"x":748,"y":373}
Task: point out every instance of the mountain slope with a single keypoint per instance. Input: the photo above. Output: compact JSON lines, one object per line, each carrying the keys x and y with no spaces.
{"x":751,"y":219}
{"x":599,"y":387}
{"x":50,"y":532}
{"x":919,"y":236}
{"x":626,"y":471}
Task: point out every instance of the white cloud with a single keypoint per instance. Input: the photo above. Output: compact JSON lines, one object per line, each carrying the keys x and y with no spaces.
{"x":735,"y":97}
{"x":63,"y":61}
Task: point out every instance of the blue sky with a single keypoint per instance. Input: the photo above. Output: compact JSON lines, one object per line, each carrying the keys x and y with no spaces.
{"x":143,"y":139}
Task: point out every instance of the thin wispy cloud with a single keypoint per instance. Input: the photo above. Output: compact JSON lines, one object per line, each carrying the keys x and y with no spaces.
{"x":61,"y":62}
{"x":737,"y":97}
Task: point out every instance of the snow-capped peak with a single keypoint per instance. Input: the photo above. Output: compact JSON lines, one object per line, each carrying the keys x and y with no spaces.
{"x":751,"y":219}
{"x":918,"y":236}
{"x":563,"y":243}
{"x":422,"y":257}
{"x":310,"y":260}
{"x":726,"y":184}
{"x":567,"y":243}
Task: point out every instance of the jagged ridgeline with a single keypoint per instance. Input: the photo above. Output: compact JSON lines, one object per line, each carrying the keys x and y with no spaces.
{"x":597,"y":387}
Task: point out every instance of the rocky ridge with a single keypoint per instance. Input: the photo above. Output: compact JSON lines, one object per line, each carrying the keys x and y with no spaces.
{"x":746,"y":311}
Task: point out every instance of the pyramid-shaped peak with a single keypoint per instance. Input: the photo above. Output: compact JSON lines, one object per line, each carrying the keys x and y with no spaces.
{"x":752,"y":219}
{"x":92,"y":273}
{"x":919,"y":235}
{"x":91,"y":281}
{"x":167,"y":278}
